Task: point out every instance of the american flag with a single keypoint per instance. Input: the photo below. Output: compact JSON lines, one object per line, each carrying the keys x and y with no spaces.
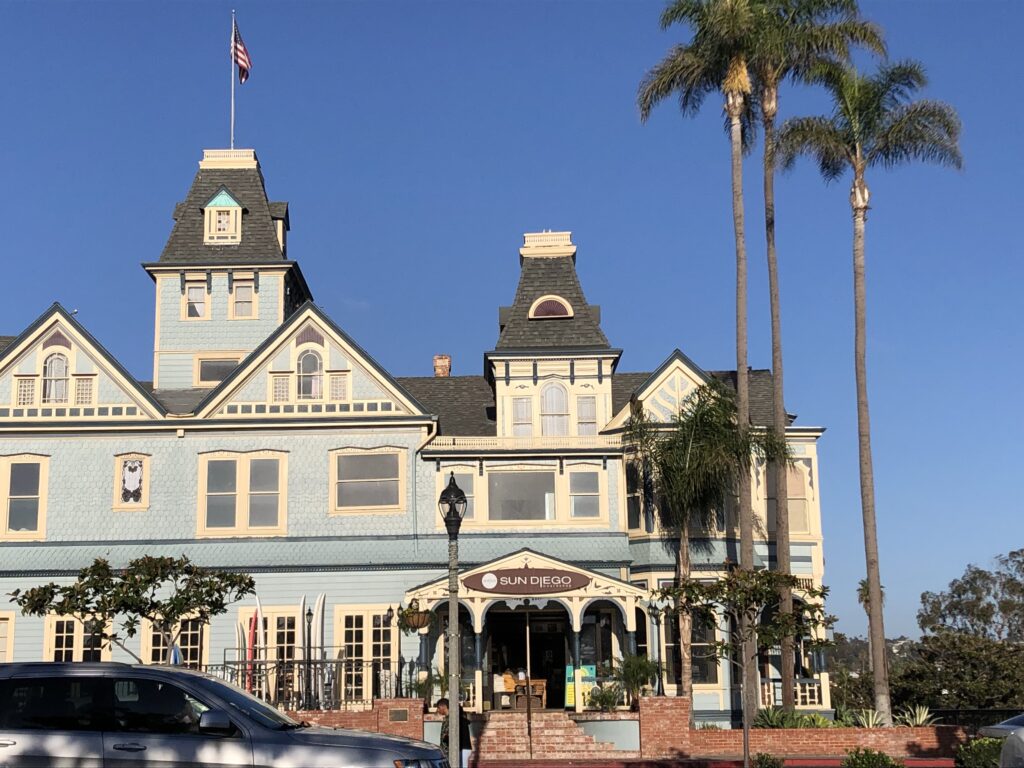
{"x":240,"y":55}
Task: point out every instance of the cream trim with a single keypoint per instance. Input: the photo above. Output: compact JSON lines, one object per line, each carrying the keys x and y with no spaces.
{"x":247,"y":281}
{"x":195,"y":282}
{"x":200,"y":357}
{"x":403,"y":460}
{"x":5,"y":488}
{"x":367,"y":611}
{"x":8,"y":617}
{"x":50,"y":636}
{"x":146,"y":641}
{"x":242,"y":470}
{"x":118,"y":503}
{"x":232,"y":235}
{"x":551,"y":297}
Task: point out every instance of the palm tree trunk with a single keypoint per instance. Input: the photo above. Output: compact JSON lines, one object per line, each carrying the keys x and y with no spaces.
{"x":734,"y":107}
{"x":684,"y":620}
{"x":782,"y":547}
{"x":880,"y":674}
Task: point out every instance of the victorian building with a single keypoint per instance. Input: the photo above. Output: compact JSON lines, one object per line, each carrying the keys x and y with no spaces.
{"x":269,"y":441}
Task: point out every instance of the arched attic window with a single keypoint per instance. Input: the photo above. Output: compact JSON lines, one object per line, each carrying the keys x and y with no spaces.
{"x":554,"y":410}
{"x":309,"y":370}
{"x":55,"y":379}
{"x":550,"y":308}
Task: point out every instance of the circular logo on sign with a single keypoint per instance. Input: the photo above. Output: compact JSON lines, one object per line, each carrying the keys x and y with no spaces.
{"x":489,"y":581}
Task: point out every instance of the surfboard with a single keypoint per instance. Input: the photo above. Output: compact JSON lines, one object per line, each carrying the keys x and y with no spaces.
{"x":318,"y":641}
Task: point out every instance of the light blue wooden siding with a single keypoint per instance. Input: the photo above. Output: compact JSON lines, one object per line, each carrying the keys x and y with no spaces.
{"x":216,"y":334}
{"x":338,"y":359}
{"x":365,"y":387}
{"x":109,"y":392}
{"x":82,"y":476}
{"x":29,"y":363}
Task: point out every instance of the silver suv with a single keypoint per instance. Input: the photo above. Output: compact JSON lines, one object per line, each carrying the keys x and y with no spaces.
{"x":112,"y":715}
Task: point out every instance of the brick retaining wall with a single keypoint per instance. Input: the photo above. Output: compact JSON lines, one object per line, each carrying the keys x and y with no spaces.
{"x":664,"y":732}
{"x":398,"y":717}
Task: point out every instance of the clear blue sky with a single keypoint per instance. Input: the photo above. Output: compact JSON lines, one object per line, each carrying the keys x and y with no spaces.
{"x":417,"y":141}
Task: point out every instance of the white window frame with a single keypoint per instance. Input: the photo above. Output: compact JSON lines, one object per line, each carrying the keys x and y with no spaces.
{"x":118,"y":502}
{"x":152,"y":642}
{"x":186,"y":300}
{"x":77,"y":637}
{"x":336,"y":480}
{"x":25,"y":391}
{"x":358,"y":686}
{"x":551,"y":417}
{"x":85,"y":385}
{"x":213,"y":234}
{"x":585,"y":494}
{"x":39,"y":534}
{"x":7,"y":619}
{"x":586,"y":427}
{"x":252,"y":301}
{"x":243,"y":464}
{"x":522,"y":424}
{"x":53,"y":381}
{"x":318,"y":390}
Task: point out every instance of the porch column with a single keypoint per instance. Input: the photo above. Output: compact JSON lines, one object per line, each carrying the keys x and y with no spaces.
{"x":577,"y":672}
{"x":424,"y":659}
{"x":631,"y":642}
{"x":478,"y":673}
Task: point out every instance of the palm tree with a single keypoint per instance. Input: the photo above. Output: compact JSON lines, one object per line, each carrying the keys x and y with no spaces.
{"x":715,"y":61}
{"x":793,"y":36}
{"x":864,"y":598}
{"x":688,"y":469}
{"x":874,"y":122}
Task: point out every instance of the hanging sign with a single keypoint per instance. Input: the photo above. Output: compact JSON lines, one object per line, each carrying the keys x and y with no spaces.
{"x":526,"y":581}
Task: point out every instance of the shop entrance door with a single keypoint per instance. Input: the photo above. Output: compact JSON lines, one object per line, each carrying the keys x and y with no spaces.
{"x":548,"y":648}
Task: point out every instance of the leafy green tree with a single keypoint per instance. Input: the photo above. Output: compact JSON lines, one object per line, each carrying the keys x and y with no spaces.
{"x":162,"y":590}
{"x":689,"y":469}
{"x":874,"y":123}
{"x":953,"y":670}
{"x":983,"y":603}
{"x":792,"y":37}
{"x":744,"y":603}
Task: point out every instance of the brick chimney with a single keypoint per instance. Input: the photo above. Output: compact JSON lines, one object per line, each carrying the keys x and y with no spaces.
{"x":442,"y":366}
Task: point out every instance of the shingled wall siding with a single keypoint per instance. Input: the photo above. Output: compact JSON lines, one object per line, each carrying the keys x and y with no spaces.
{"x":663,"y":733}
{"x":217,"y":333}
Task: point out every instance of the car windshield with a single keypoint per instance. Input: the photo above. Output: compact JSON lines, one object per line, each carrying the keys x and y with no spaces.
{"x":248,"y":704}
{"x":1018,"y":720}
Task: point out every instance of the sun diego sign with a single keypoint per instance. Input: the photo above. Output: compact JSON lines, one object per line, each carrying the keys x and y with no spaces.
{"x":526,"y":581}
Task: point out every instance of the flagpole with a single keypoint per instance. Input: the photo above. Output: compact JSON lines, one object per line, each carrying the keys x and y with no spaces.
{"x":231,"y":60}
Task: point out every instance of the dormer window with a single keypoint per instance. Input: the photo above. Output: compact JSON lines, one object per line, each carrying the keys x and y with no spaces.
{"x":223,"y":220}
{"x":550,"y":307}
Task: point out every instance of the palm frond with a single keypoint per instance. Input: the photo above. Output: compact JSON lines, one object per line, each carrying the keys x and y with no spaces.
{"x":923,"y":130}
{"x":684,"y":72}
{"x":683,"y":12}
{"x":894,"y":84}
{"x":816,"y":137}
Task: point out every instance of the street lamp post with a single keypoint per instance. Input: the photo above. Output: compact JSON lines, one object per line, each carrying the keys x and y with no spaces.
{"x":389,"y":616}
{"x":309,"y":659}
{"x":452,"y":505}
{"x":656,"y":612}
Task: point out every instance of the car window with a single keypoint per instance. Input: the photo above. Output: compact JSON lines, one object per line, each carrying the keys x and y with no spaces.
{"x":143,"y":705}
{"x":52,"y":703}
{"x":247,"y":704}
{"x":1018,"y":720}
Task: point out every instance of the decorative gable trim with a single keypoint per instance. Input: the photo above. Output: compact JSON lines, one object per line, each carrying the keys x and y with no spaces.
{"x":311,"y":318}
{"x":676,"y":362}
{"x":222,"y":199}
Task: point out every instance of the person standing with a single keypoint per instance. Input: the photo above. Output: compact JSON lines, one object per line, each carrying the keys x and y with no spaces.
{"x":465,"y":744}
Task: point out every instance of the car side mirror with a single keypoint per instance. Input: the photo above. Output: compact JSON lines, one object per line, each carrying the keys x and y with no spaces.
{"x":215,"y":721}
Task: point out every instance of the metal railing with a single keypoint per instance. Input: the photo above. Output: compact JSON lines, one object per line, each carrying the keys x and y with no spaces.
{"x":325,"y":684}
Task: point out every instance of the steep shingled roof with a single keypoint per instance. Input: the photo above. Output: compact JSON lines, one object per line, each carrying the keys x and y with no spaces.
{"x":464,"y":405}
{"x":541,"y":276}
{"x":259,"y":234}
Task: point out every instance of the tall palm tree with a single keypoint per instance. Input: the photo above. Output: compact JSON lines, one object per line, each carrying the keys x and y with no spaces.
{"x":864,"y":598}
{"x":793,"y":36}
{"x":688,"y":469}
{"x":715,"y":61}
{"x":874,"y":122}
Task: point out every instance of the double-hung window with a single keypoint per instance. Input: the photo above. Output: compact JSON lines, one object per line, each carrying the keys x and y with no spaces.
{"x":243,"y":302}
{"x":554,"y":411}
{"x":586,"y":415}
{"x":522,"y":416}
{"x":367,"y":481}
{"x":584,"y":494}
{"x":23,"y":493}
{"x":521,"y":496}
{"x":55,"y":379}
{"x":243,"y":494}
{"x":465,"y":482}
{"x":309,"y":370}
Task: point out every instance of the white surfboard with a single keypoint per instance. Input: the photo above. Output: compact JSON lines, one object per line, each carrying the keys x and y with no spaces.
{"x":317,"y":641}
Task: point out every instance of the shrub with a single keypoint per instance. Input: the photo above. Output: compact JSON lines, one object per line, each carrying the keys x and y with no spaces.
{"x":915,"y":716}
{"x":708,"y":727}
{"x":606,"y":696}
{"x":979,"y":753}
{"x":867,"y":718}
{"x":764,"y":760}
{"x":845,"y":718}
{"x":815,"y":721}
{"x":776,"y":717}
{"x":869,"y":758}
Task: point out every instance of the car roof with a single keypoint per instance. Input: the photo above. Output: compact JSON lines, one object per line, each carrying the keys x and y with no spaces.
{"x":16,"y":669}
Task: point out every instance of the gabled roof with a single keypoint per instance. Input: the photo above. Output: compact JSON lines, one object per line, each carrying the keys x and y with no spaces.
{"x":554,"y":276}
{"x":464,"y":405}
{"x":301,"y":315}
{"x":56,"y":311}
{"x":259,"y":235}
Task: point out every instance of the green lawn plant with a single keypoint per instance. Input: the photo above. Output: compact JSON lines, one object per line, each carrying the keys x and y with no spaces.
{"x":764,"y":760}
